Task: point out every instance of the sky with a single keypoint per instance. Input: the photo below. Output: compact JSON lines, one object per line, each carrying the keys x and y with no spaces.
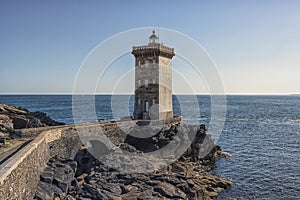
{"x":255,"y":45}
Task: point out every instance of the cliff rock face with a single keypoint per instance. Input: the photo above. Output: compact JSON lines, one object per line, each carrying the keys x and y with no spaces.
{"x":13,"y":117}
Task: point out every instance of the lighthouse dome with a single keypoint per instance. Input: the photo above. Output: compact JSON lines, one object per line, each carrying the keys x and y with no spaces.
{"x":153,"y":38}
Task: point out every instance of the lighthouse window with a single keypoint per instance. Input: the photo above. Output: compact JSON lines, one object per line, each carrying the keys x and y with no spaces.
{"x":153,"y":81}
{"x":147,"y":106}
{"x":153,"y":101}
{"x":139,"y":82}
{"x":139,"y":101}
{"x":146,"y":83}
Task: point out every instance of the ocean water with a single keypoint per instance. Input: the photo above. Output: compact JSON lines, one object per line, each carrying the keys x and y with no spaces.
{"x":262,"y":134}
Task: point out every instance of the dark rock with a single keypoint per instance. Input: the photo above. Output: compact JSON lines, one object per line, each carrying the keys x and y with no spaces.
{"x":165,"y":189}
{"x":127,"y":147}
{"x":14,"y":117}
{"x":183,"y":179}
{"x":223,"y":184}
{"x":6,"y":124}
{"x":56,"y":179}
{"x":126,"y":179}
{"x":46,"y":191}
{"x":63,"y":177}
{"x":47,"y":176}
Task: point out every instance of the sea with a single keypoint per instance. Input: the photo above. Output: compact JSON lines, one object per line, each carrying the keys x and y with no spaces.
{"x":260,"y":133}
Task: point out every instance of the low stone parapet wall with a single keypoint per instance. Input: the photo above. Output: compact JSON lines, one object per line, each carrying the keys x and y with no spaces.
{"x":20,"y":174}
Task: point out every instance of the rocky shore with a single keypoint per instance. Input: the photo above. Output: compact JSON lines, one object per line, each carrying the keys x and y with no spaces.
{"x":15,"y":124}
{"x":14,"y":117}
{"x":188,"y":177}
{"x":180,"y":169}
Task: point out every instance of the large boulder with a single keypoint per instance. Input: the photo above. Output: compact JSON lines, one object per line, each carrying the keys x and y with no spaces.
{"x":6,"y":124}
{"x":14,"y":117}
{"x":56,"y":179}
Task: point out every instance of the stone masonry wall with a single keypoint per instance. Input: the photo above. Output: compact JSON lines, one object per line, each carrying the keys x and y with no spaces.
{"x":19,"y":175}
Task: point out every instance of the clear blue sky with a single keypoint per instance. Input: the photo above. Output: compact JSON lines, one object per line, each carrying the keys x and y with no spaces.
{"x":255,"y":44}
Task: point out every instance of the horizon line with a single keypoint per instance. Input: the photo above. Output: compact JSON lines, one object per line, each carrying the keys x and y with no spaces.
{"x":257,"y":94}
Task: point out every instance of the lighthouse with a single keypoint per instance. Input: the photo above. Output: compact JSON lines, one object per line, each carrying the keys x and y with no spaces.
{"x":153,"y":80}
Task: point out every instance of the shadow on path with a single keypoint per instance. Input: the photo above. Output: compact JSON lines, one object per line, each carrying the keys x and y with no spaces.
{"x":13,"y":153}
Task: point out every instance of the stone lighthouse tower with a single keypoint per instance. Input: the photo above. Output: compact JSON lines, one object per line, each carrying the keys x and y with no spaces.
{"x":153,"y":80}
